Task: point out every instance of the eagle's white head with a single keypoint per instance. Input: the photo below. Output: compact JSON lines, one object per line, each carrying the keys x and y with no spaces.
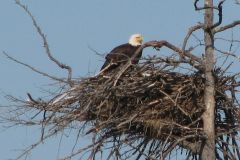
{"x":136,"y":40}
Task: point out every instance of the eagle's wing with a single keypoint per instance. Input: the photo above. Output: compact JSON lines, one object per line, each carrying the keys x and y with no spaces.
{"x":116,"y":56}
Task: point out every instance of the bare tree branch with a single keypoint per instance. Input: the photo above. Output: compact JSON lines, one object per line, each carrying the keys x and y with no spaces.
{"x":219,"y":15}
{"x":223,"y":28}
{"x":30,"y":148}
{"x":190,"y":31}
{"x":34,"y":69}
{"x":45,"y":43}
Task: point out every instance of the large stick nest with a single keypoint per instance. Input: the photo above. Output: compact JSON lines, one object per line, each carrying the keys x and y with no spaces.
{"x":148,"y":103}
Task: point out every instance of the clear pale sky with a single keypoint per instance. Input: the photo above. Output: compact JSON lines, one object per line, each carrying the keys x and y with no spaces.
{"x":72,"y":27}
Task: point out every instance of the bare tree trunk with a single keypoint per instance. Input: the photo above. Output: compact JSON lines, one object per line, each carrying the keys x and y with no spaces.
{"x":208,"y":152}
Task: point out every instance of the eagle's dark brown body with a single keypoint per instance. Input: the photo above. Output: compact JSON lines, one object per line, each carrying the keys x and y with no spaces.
{"x":120,"y":55}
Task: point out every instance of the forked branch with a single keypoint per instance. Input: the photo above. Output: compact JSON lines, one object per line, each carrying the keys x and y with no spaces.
{"x":201,"y":8}
{"x":45,"y":43}
{"x":219,"y":8}
{"x":190,"y":31}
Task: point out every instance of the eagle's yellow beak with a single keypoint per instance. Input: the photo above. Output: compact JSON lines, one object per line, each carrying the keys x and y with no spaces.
{"x":140,"y":39}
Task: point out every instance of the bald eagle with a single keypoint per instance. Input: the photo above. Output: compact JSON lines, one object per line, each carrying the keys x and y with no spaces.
{"x":121,"y":54}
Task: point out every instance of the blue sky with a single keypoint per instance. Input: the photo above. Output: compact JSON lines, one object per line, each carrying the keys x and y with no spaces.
{"x":71,"y":28}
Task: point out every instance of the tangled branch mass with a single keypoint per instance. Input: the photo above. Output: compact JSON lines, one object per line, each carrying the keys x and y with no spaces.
{"x":151,"y":105}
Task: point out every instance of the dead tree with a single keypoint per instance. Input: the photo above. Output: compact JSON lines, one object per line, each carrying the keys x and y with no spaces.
{"x":182,"y":102}
{"x":208,"y":116}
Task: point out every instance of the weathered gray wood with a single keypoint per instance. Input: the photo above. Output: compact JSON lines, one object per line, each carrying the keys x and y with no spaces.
{"x":208,"y":152}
